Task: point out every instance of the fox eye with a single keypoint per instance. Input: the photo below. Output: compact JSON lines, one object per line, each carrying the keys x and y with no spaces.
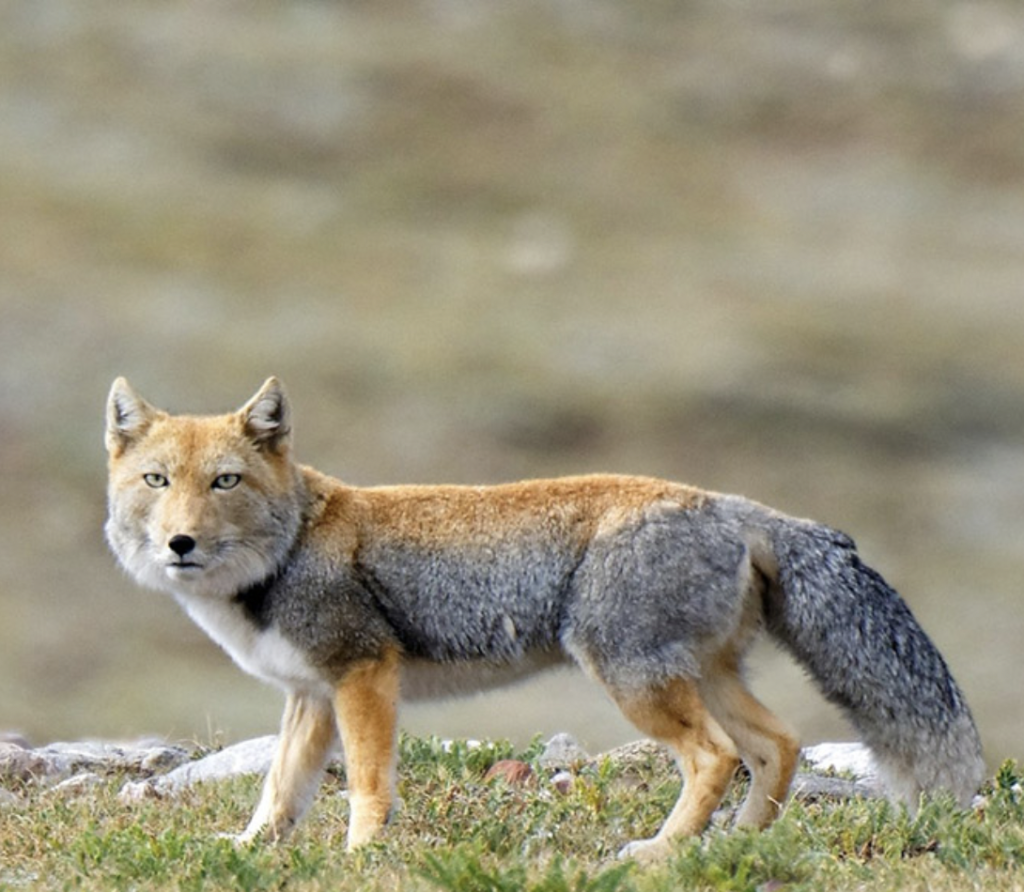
{"x":156,"y":481}
{"x":227,"y":481}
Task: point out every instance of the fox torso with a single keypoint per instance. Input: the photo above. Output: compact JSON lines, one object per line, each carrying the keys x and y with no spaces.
{"x":298,"y":576}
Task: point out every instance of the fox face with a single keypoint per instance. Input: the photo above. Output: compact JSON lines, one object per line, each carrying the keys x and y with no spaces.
{"x":200,"y":505}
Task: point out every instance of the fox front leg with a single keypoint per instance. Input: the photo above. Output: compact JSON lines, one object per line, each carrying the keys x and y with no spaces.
{"x":307,"y":736}
{"x":366,"y":704}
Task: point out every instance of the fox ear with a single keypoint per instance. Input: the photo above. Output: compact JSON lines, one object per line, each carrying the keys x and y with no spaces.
{"x":128,"y":416}
{"x":267,"y":417}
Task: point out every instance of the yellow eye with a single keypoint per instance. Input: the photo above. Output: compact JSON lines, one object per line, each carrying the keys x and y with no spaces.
{"x":156,"y":481}
{"x":227,"y":481}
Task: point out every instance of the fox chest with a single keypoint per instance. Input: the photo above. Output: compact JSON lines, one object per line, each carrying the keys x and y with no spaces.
{"x":262,"y":652}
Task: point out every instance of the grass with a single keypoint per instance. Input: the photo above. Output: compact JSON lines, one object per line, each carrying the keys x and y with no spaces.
{"x":457,"y":832}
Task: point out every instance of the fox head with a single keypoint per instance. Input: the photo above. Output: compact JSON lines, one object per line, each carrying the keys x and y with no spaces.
{"x":201,"y":505}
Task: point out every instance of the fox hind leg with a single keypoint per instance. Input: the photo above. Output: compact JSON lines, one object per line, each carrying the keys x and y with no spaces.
{"x":675,"y":714}
{"x":768,"y":748}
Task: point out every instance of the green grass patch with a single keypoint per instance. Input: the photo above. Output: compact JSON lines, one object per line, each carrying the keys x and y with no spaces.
{"x":455,"y":831}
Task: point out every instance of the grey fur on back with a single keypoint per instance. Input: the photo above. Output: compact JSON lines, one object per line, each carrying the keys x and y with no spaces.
{"x":867,"y":653}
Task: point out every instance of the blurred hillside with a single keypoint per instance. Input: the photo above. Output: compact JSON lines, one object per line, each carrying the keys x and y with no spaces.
{"x":768,"y":248}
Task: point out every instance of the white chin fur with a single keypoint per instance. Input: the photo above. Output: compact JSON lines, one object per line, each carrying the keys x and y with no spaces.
{"x":221,"y":572}
{"x":184,"y":574}
{"x":219,"y":581}
{"x":199,"y":581}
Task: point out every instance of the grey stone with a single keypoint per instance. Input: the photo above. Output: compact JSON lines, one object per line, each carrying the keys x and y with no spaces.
{"x":248,"y":757}
{"x":161,"y":770}
{"x":638,"y":756}
{"x":59,"y":761}
{"x":562,"y":751}
{"x":8,"y":799}
{"x":79,"y":783}
{"x":809,"y":787}
{"x":826,"y":759}
{"x":144,"y":757}
{"x":15,"y":738}
{"x":19,"y":765}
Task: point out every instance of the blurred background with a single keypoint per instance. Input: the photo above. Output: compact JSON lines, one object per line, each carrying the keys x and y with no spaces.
{"x":775,"y":249}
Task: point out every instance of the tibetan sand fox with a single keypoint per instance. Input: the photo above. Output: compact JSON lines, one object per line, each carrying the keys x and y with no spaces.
{"x":351,"y":598}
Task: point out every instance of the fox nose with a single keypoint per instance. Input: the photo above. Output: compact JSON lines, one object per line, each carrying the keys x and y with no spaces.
{"x":181,"y":545}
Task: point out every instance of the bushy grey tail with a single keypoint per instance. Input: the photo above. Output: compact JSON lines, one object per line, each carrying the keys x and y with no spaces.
{"x":867,"y":653}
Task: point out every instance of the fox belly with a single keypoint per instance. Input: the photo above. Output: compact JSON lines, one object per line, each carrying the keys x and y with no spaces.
{"x":429,"y":680}
{"x":267,"y":654}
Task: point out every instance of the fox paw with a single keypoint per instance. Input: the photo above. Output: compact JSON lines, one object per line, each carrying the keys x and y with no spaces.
{"x":238,"y":840}
{"x":645,"y":850}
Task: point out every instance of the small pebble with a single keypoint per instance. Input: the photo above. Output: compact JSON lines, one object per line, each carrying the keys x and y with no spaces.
{"x":511,"y":770}
{"x":563,"y":782}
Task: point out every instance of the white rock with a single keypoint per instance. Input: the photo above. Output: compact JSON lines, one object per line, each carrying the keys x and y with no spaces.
{"x":137,"y":791}
{"x":846,"y":758}
{"x":7,"y":798}
{"x":78,"y":783}
{"x":563,"y":782}
{"x":469,"y":743}
{"x":146,"y":756}
{"x":248,"y":757}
